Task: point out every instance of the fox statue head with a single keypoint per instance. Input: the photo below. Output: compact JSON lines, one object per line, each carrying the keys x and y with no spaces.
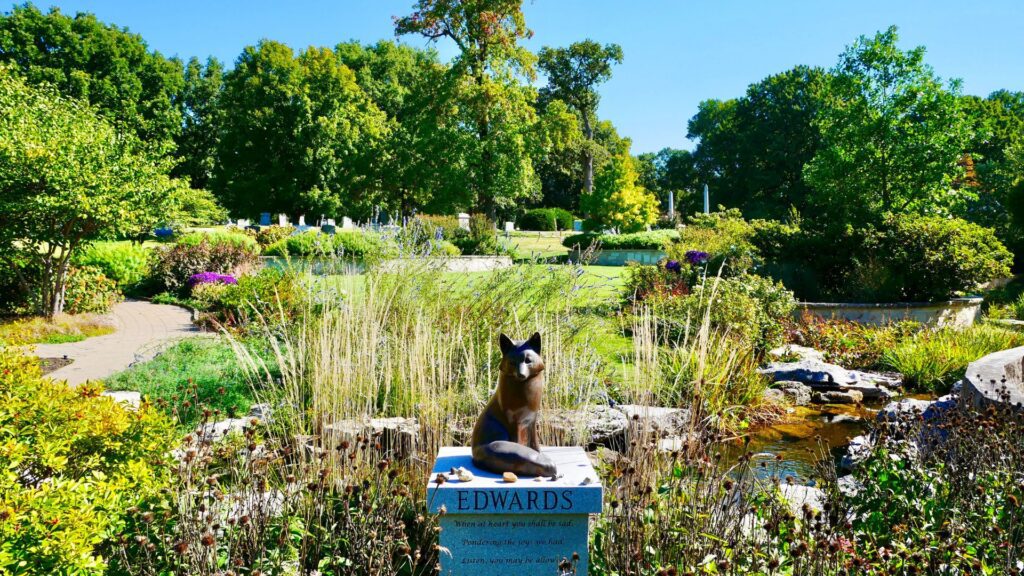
{"x":521,"y":360}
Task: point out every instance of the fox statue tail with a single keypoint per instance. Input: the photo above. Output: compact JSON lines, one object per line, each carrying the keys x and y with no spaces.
{"x":501,"y":456}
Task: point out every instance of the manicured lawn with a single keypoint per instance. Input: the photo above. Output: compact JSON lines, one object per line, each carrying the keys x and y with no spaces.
{"x":537,"y":244}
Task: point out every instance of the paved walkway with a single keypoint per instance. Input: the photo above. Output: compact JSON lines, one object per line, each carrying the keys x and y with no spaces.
{"x":142,"y":330}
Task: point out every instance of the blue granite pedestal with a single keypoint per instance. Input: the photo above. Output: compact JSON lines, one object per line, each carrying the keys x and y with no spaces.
{"x":494,"y":528}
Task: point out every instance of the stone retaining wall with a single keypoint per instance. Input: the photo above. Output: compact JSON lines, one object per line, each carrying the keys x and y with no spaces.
{"x":620,"y":257}
{"x":957,"y":313}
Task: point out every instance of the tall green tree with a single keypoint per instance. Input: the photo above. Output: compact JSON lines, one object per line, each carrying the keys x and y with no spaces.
{"x":573,"y":76}
{"x":491,"y":62}
{"x":199,"y":103}
{"x":299,"y":136}
{"x":618,"y":200}
{"x":67,"y":177}
{"x":107,"y":66}
{"x":751,"y":150}
{"x":421,"y":161}
{"x":893,"y":136}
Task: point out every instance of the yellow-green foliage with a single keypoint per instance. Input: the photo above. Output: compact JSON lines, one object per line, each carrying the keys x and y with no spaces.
{"x":60,"y":328}
{"x":71,"y":463}
{"x":617,"y":200}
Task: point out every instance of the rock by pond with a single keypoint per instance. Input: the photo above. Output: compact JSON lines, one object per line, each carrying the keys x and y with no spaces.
{"x":822,"y":376}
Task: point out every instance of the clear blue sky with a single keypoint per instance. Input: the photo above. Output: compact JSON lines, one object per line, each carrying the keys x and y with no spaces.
{"x":677,"y":52}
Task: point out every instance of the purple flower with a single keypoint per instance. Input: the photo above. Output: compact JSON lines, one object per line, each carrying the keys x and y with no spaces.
{"x":673,"y":266}
{"x":697,"y":257}
{"x":211,"y":278}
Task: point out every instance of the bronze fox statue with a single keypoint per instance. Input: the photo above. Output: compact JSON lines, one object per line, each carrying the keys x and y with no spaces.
{"x":505,"y":435}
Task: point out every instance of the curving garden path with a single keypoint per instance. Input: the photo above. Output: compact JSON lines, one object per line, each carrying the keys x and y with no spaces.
{"x":141,"y":330}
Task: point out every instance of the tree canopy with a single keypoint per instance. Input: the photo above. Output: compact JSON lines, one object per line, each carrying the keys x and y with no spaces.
{"x":109,"y":67}
{"x":67,"y":176}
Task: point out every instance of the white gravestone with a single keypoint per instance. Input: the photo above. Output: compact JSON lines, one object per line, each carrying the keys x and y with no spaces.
{"x":302,"y":220}
{"x":464,"y":221}
{"x":243,"y":223}
{"x":510,"y":227}
{"x":346,"y":223}
{"x":525,"y":528}
{"x":282,"y":219}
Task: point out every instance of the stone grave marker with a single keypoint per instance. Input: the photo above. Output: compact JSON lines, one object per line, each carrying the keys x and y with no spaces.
{"x":525,"y":528}
{"x":510,"y":227}
{"x":346,"y":223}
{"x":577,"y":225}
{"x":264,"y":218}
{"x":282,"y":219}
{"x":463,"y":220}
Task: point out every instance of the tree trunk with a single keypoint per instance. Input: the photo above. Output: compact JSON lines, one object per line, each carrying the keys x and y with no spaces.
{"x":55,"y":299}
{"x":588,"y":174}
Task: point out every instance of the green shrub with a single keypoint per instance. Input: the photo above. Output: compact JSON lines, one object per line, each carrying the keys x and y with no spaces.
{"x":126,"y":263}
{"x":725,"y":236}
{"x":934,"y":360}
{"x":71,"y":466}
{"x":88,"y":290}
{"x":175,"y":265}
{"x":546,"y":219}
{"x":653,"y":240}
{"x":905,"y":259}
{"x":928,"y":258}
{"x":366,"y":246}
{"x":482,"y":238}
{"x":189,"y":376}
{"x":272,"y":234}
{"x":273,"y":292}
{"x":235,"y":238}
{"x":748,"y":307}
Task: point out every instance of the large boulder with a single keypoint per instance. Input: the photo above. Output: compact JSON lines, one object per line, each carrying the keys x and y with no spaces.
{"x":824,"y":376}
{"x":397,"y":436}
{"x":837,"y":397}
{"x":798,"y":497}
{"x":796,"y":393}
{"x":903,"y":409}
{"x":801,"y":352}
{"x":214,"y":431}
{"x":663,"y":421}
{"x":857,"y":451}
{"x":595,"y":425}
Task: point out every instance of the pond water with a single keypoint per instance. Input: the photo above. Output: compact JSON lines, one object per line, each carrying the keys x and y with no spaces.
{"x":807,"y":435}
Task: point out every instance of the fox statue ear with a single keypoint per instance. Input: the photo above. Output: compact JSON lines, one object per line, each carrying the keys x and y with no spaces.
{"x":506,"y":344}
{"x":534,"y":342}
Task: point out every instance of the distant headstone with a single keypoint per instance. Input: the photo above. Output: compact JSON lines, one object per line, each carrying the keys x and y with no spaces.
{"x":464,"y":221}
{"x":302,"y":220}
{"x":510,"y":227}
{"x":346,"y":223}
{"x":330,"y":222}
{"x":495,"y":528}
{"x":577,"y":225}
{"x":282,"y":219}
{"x":265,"y":219}
{"x":242,"y":223}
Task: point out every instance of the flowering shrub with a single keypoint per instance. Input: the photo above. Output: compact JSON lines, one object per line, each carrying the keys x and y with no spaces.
{"x":850,"y":344}
{"x":175,"y":266}
{"x":211,"y":278}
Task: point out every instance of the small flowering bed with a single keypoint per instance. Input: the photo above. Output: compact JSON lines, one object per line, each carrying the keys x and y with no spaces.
{"x":211,"y":278}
